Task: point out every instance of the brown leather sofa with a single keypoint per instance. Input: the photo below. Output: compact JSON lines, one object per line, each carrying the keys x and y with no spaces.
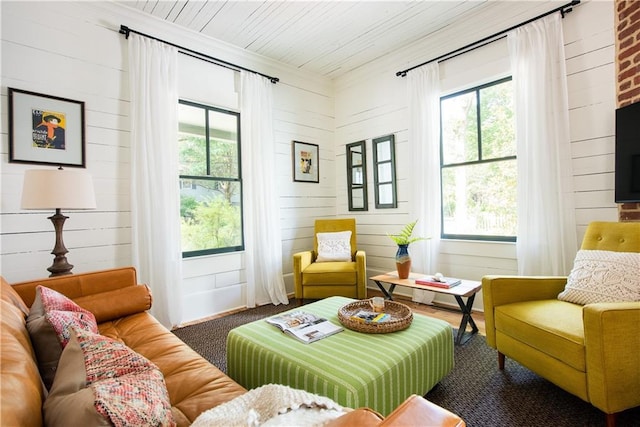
{"x":120,"y":306}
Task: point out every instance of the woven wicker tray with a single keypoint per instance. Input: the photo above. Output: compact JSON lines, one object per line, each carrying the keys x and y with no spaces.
{"x":401,"y":317}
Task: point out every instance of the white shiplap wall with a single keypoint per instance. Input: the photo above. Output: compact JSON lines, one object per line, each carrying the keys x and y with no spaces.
{"x":81,"y":56}
{"x":591,"y":78}
{"x":51,"y":49}
{"x":371,"y":102}
{"x":73,"y":50}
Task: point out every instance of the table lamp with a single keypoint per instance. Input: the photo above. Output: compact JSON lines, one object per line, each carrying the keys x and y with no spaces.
{"x":58,"y":189}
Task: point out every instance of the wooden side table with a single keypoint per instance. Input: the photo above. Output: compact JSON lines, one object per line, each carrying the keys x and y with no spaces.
{"x":467,"y":289}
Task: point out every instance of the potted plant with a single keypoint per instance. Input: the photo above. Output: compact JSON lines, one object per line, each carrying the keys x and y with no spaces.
{"x":403,"y":240}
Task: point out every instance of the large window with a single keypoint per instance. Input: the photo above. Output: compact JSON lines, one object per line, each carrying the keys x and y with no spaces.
{"x":478,"y":163}
{"x":210,"y":179}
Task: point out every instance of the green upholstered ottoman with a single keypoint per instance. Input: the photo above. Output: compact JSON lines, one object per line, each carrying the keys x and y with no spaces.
{"x":355,"y":369}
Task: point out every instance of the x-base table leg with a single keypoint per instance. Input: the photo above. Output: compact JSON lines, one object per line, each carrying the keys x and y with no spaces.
{"x":466,"y":318}
{"x":387,"y":294}
{"x":467,"y":289}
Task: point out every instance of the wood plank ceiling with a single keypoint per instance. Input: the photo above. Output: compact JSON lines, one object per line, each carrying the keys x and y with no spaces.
{"x":331,"y":38}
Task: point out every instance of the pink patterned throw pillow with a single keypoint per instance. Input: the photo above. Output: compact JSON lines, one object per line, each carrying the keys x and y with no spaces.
{"x":101,"y":381}
{"x":50,"y":317}
{"x":107,"y":358}
{"x":134,"y":400}
{"x":62,"y":313}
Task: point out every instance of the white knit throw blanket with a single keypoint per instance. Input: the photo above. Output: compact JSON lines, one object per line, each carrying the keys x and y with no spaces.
{"x":272,"y":405}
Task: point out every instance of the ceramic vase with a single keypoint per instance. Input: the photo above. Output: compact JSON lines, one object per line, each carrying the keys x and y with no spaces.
{"x":403,"y":261}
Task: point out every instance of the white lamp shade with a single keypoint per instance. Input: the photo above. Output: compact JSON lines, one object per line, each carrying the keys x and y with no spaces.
{"x":57,"y":189}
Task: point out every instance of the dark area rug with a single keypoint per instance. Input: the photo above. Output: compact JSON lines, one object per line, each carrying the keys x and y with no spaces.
{"x":209,"y":338}
{"x":476,"y":389}
{"x":485,"y":396}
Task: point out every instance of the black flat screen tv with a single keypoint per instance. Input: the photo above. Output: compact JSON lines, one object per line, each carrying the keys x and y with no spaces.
{"x":627,"y":174}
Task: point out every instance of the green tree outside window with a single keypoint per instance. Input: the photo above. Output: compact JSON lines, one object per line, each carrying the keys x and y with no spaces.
{"x":210,"y":184}
{"x":478,"y":163}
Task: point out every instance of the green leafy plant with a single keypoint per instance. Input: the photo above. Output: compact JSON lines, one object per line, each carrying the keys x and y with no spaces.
{"x":404,"y":237}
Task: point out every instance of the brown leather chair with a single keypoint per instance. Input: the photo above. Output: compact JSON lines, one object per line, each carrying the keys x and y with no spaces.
{"x":415,"y":411}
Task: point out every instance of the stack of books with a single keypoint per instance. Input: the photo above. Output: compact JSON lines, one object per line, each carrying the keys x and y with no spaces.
{"x":438,"y":282}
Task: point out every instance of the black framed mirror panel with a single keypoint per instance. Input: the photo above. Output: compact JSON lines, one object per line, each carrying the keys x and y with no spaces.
{"x":384,"y":172}
{"x":357,"y":176}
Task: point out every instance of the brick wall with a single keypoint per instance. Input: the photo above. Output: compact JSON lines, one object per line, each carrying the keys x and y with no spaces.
{"x":628,"y":70}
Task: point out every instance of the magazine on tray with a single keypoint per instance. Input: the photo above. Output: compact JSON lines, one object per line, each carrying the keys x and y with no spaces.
{"x":304,"y":326}
{"x":365,"y":316}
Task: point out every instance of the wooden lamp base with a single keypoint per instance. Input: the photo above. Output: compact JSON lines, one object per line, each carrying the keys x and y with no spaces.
{"x":60,"y":266}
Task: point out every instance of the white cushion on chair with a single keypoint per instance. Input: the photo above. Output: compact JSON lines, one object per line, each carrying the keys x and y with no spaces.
{"x":603,"y":276}
{"x":334,"y":246}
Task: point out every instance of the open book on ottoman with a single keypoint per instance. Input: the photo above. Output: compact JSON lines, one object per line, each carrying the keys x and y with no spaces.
{"x":304,"y":326}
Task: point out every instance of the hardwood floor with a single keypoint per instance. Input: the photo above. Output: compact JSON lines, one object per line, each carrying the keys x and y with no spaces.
{"x":449,"y":314}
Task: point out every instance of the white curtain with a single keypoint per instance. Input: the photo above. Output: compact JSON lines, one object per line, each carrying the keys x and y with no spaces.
{"x":262,"y":238}
{"x":547,"y":241}
{"x":155,"y":199}
{"x":423,"y":91}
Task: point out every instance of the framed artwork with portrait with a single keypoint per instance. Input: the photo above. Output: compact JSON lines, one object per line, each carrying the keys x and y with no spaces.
{"x":45,"y":129}
{"x":305,"y":162}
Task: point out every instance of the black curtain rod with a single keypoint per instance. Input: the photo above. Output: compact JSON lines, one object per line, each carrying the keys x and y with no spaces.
{"x":490,"y":39}
{"x":126,"y":31}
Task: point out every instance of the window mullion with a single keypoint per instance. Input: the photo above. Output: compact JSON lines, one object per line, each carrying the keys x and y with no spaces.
{"x":478,"y":124}
{"x":207,"y":141}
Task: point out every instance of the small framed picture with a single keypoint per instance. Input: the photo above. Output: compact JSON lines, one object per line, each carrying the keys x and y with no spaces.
{"x":305,"y":162}
{"x":45,"y":129}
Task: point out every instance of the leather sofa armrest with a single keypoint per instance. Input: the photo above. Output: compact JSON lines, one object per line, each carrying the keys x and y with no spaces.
{"x":612,"y":354}
{"x":79,"y":285}
{"x":501,"y":290}
{"x":361,"y":417}
{"x":118,"y":303}
{"x":418,"y":411}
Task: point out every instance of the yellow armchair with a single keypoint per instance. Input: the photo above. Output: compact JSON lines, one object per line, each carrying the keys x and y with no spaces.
{"x":315,"y":280}
{"x":592,"y":350}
